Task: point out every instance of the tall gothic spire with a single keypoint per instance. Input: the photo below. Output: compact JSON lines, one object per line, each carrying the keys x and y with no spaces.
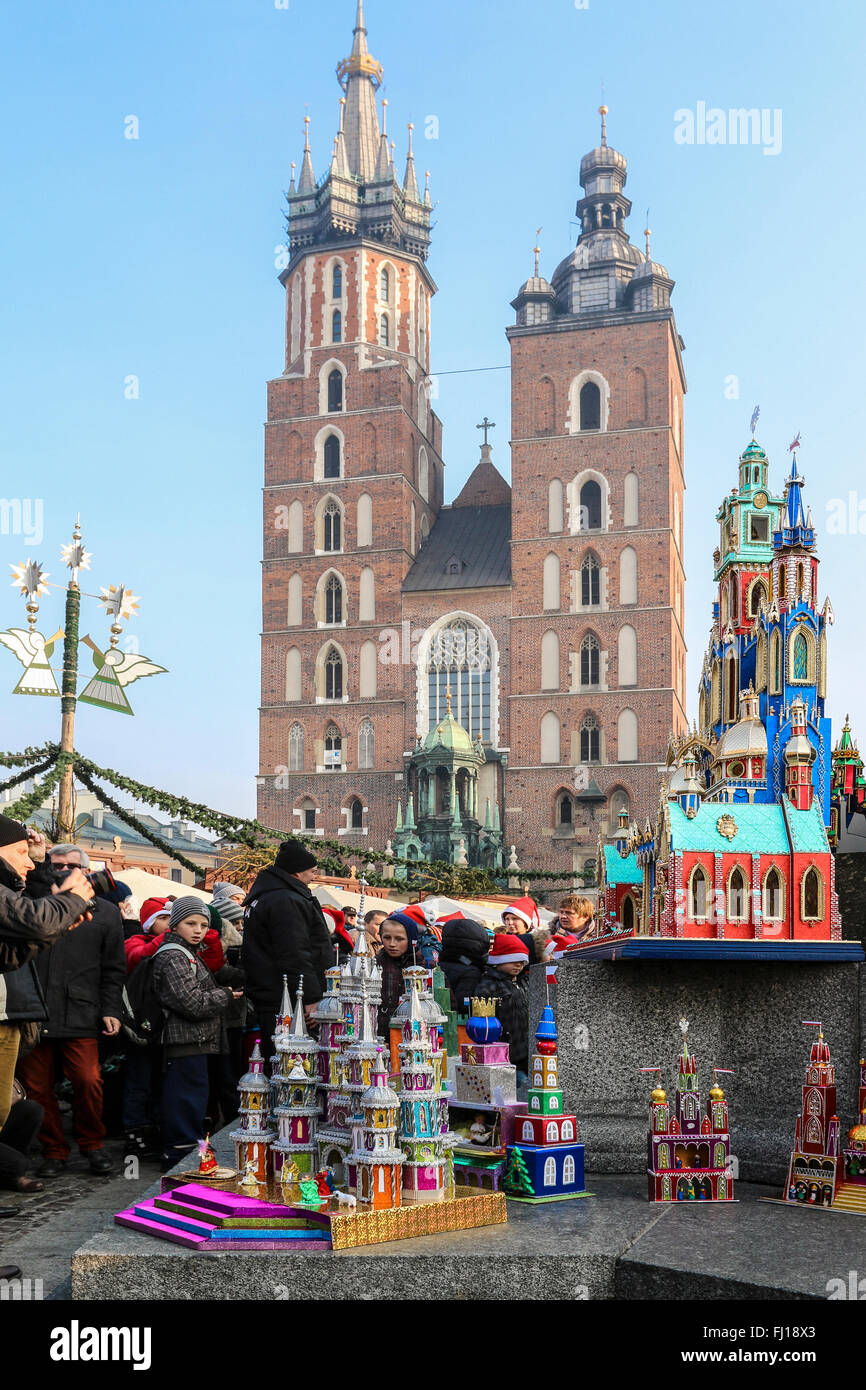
{"x":410,"y":182}
{"x":307,"y":181}
{"x":360,"y":77}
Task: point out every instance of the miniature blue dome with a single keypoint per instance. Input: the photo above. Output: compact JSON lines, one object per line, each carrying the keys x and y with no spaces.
{"x":546,"y":1026}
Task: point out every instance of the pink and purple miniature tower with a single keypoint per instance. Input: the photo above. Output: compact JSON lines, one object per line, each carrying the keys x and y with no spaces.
{"x":813,"y":1167}
{"x":689,"y":1154}
{"x":254,"y":1136}
{"x":424,"y":1135}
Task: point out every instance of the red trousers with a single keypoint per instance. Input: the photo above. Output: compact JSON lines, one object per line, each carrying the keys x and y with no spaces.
{"x":79,"y":1058}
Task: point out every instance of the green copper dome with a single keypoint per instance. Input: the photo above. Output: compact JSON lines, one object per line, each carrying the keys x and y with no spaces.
{"x":449,"y":734}
{"x":752,"y":451}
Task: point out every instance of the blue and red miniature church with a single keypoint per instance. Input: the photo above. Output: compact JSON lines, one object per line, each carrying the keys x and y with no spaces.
{"x":545,"y":1161}
{"x":688,"y":1154}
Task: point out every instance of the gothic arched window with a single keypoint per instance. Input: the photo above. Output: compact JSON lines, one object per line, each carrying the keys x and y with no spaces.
{"x":590,"y":406}
{"x":783,"y":581}
{"x":384,"y":331}
{"x":336,"y":326}
{"x":590,"y":504}
{"x":590,"y":581}
{"x":332,"y":457}
{"x":333,"y":527}
{"x":296,"y":748}
{"x":333,"y":744}
{"x":385,"y":285}
{"x":589,"y":661}
{"x":335,"y":390}
{"x":334,"y":600}
{"x":333,"y":675}
{"x":337,"y":283}
{"x":356,"y":815}
{"x":366,"y":744}
{"x":459,"y":661}
{"x":773,"y":900}
{"x":590,"y":740}
{"x":759,"y":593}
{"x":801,"y":658}
{"x":737,"y":899}
{"x":698,"y":894}
{"x":564,"y":810}
{"x":813,"y":895}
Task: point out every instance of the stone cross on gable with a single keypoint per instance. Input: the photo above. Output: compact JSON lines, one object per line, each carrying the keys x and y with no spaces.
{"x":485,"y":426}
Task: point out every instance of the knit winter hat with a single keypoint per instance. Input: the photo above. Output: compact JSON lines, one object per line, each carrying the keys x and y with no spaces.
{"x":118,"y":894}
{"x":228,"y":890}
{"x":152,"y":908}
{"x":293,"y":857}
{"x":506,"y":949}
{"x":409,"y":925}
{"x":182,"y":908}
{"x":526,"y":910}
{"x":228,"y":909}
{"x":12,"y":832}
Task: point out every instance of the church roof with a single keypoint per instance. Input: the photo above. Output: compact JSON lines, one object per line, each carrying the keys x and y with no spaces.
{"x":808,"y":835}
{"x":760,"y":828}
{"x":468,"y":548}
{"x":485,"y":487}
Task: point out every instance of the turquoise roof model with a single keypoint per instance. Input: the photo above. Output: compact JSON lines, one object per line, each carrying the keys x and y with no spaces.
{"x":759,"y":829}
{"x":808,"y":835}
{"x":619,"y":870}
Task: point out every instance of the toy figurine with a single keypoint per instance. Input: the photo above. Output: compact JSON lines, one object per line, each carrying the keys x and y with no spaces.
{"x":689,"y":1156}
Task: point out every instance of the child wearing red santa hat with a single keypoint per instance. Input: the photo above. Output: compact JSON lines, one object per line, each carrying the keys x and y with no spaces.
{"x":504,"y":980}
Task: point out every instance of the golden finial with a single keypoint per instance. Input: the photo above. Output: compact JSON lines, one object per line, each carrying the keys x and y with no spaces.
{"x":537,"y":250}
{"x":448,"y":702}
{"x":306,"y":132}
{"x":384,"y":115}
{"x":647,"y":233}
{"x":602,"y":111}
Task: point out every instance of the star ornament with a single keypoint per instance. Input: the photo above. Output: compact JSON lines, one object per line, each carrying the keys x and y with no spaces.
{"x":30,"y":579}
{"x":119,"y":602}
{"x":75,"y":556}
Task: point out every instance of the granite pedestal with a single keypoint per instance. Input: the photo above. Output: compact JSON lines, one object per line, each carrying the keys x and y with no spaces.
{"x":617,"y":1016}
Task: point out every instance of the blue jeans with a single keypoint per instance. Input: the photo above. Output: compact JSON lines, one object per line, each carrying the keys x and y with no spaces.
{"x":141,"y":1086}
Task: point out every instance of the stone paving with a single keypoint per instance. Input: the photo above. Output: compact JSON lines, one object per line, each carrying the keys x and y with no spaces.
{"x":53,"y":1223}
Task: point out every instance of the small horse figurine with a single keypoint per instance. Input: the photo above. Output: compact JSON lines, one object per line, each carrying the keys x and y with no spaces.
{"x":346,"y":1199}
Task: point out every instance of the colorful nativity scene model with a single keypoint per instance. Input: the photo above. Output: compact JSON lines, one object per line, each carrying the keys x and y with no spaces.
{"x":332,"y":1150}
{"x":740,"y":852}
{"x":689,"y":1154}
{"x":822,"y":1173}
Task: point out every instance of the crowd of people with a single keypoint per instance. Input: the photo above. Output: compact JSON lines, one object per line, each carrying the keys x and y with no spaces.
{"x":180,"y":989}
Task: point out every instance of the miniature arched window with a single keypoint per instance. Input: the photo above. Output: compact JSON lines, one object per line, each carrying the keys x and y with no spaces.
{"x":293,"y":674}
{"x":334,"y":600}
{"x":550,"y":661}
{"x":336,"y":326}
{"x":333,"y":527}
{"x":335,"y":389}
{"x":564,"y":810}
{"x":590,"y":582}
{"x":332,"y":459}
{"x":555,"y":507}
{"x":337,"y":282}
{"x":551,"y":583}
{"x":731,"y":687}
{"x":551,"y":1133}
{"x":568,"y":1170}
{"x":698,"y":894}
{"x":550,"y":738}
{"x":801,"y":657}
{"x":630,"y":500}
{"x":813,"y":895}
{"x":756,"y":597}
{"x":590,"y":739}
{"x":364,"y":524}
{"x":738,"y":901}
{"x":590,"y":505}
{"x":567,"y":1130}
{"x":628,"y":912}
{"x":367,"y":670}
{"x":626,"y":736}
{"x":590,"y":406}
{"x":549,"y":1178}
{"x":528,"y":1130}
{"x":628,"y":576}
{"x":553,"y":1100}
{"x":366,"y":744}
{"x":333,"y":675}
{"x":333,"y":746}
{"x":813,"y":1132}
{"x":385,"y":285}
{"x":801,"y":578}
{"x":783,"y":581}
{"x":356,"y":815}
{"x":775,"y":664}
{"x":773,"y":907}
{"x":590,"y":653}
{"x":296,"y":748}
{"x":384,"y":331}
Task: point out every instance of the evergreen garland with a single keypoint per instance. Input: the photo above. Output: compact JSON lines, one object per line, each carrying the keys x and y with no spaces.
{"x":26,"y":805}
{"x":30,"y":755}
{"x":23,"y":776}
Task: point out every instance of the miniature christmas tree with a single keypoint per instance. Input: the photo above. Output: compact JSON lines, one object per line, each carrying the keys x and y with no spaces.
{"x":516,"y":1174}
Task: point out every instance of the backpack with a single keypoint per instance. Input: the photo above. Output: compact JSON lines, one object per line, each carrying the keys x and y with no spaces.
{"x":143,"y":1014}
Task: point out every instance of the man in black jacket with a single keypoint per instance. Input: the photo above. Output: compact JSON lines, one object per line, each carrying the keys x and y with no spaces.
{"x":83,"y":978}
{"x":285,"y":933}
{"x":26,"y":927}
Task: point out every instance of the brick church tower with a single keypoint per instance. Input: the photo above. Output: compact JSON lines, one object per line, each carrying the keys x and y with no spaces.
{"x":598,"y":655}
{"x":353,"y":474}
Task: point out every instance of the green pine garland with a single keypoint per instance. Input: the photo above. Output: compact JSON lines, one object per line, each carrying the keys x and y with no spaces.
{"x":25,"y":806}
{"x":30,"y":755}
{"x":23,"y":776}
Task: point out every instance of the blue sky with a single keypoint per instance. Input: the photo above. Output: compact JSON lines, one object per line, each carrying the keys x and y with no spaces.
{"x":154,"y":258}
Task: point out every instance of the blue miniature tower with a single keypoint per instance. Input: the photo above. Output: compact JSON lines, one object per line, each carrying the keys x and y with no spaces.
{"x":545,"y":1162}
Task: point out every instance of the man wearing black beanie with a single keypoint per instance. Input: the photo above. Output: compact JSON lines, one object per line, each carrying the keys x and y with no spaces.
{"x":26,"y":927}
{"x":285,"y":933}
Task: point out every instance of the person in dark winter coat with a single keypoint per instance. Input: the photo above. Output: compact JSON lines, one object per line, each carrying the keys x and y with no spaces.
{"x":399,"y":934}
{"x":463,"y":956}
{"x":194,"y":1006}
{"x":26,"y":928}
{"x":504,"y":980}
{"x":82,"y":978}
{"x":285,"y":933}
{"x":226,"y":1068}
